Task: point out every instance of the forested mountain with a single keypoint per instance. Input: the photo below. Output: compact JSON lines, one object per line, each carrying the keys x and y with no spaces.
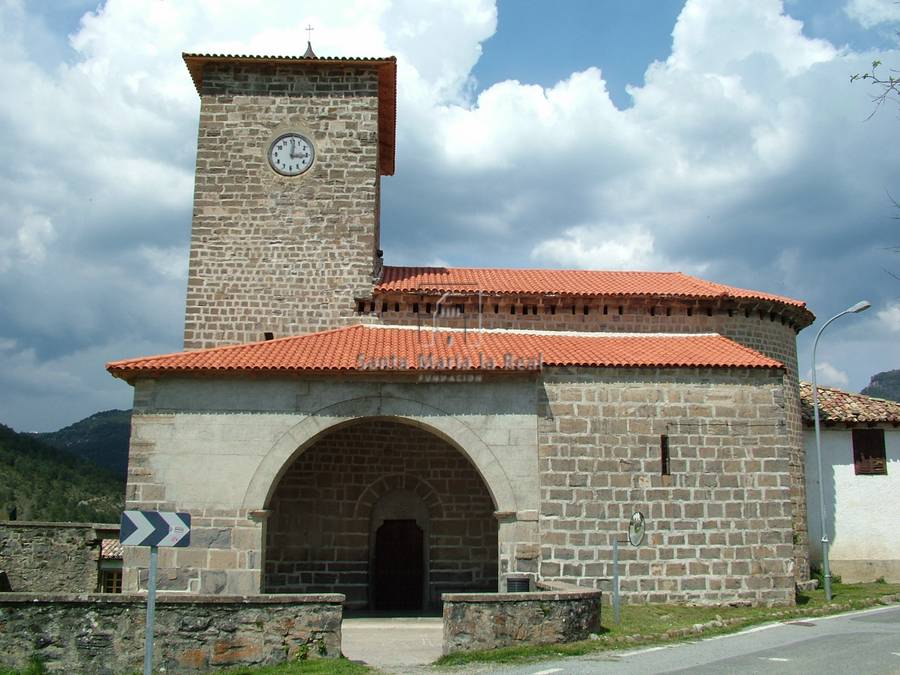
{"x":40,"y":482}
{"x":101,"y":438}
{"x":884,"y":385}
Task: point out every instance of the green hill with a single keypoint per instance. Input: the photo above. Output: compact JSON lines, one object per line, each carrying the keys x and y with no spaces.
{"x":884,"y":385}
{"x":101,"y":438}
{"x":40,"y":482}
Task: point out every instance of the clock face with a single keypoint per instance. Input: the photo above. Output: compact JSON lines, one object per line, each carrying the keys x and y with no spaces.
{"x":291,"y":154}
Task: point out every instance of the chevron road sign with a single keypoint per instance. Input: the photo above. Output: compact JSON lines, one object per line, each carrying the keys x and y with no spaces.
{"x":155,"y":528}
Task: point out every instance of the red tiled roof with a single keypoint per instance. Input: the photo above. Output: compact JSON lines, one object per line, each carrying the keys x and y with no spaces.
{"x":836,"y":406}
{"x":397,"y":349}
{"x":387,"y":87}
{"x":111,"y":549}
{"x":562,"y":282}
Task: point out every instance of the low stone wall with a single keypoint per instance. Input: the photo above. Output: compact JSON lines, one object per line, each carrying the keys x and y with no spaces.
{"x":104,"y":633}
{"x":52,"y":557}
{"x":547,"y":616}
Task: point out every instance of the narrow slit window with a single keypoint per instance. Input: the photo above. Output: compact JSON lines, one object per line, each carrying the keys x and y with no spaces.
{"x":664,"y":468}
{"x":415,"y":308}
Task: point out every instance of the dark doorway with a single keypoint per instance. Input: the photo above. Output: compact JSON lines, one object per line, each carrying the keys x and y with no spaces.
{"x":398,"y":565}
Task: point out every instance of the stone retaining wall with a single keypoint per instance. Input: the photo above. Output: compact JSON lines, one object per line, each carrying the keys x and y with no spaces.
{"x":52,"y":557}
{"x":102,"y":634}
{"x":552,"y":615}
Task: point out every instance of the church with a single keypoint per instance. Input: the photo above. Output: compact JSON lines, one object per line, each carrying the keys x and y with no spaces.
{"x":337,"y":424}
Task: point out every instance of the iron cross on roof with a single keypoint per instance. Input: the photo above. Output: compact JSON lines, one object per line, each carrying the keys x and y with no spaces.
{"x":310,"y":54}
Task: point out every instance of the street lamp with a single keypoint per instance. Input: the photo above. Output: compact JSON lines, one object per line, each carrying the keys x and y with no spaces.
{"x":826,"y":571}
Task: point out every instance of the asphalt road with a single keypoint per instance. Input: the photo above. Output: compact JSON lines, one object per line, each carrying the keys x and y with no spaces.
{"x":857,"y":643}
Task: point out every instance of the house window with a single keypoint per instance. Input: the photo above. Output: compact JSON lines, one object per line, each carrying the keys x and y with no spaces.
{"x":868,"y":452}
{"x":111,"y":581}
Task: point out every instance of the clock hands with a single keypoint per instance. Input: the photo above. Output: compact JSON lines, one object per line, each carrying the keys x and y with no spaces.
{"x":295,"y":155}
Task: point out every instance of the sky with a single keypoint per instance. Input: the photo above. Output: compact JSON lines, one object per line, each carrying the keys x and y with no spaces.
{"x":718,"y":138}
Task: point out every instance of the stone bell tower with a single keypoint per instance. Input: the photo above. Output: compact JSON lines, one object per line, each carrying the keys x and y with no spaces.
{"x":290,"y":154}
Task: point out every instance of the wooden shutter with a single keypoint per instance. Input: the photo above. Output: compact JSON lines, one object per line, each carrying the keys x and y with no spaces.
{"x":868,"y":452}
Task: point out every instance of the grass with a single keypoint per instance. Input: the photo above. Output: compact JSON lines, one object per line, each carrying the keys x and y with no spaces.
{"x":308,"y":667}
{"x":656,"y":624}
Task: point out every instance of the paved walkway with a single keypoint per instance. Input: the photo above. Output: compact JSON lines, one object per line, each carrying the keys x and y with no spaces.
{"x":392,"y":643}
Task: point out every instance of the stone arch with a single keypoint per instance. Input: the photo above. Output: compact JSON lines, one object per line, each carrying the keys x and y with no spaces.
{"x":396,"y":483}
{"x":311,"y":428}
{"x":325,"y":518}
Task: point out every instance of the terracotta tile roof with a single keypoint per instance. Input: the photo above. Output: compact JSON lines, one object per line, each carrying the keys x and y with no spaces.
{"x":563,"y":282}
{"x":110,"y":549}
{"x":398,"y":349}
{"x":836,"y":406}
{"x":387,"y":87}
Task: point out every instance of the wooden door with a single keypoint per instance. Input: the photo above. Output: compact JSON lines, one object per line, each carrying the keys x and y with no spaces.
{"x":398,"y":566}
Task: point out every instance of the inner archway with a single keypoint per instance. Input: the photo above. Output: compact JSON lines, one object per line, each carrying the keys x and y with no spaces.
{"x":332,"y":501}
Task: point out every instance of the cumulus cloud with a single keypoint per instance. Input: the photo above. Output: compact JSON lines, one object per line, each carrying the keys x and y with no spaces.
{"x":743,"y":158}
{"x":890,"y":317}
{"x":599,"y":247}
{"x":871,"y":13}
{"x":828,"y":375}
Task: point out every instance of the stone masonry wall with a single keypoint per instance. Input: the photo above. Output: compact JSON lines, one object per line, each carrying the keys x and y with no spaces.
{"x":320,"y":535}
{"x":104,"y":634}
{"x":52,"y":557}
{"x":271,"y":253}
{"x":719,"y":527}
{"x":765,"y":327}
{"x":473,"y":621}
{"x":216,"y":447}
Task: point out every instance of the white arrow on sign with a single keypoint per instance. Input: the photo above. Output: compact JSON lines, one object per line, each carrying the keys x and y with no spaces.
{"x":144,"y":529}
{"x":178,"y":529}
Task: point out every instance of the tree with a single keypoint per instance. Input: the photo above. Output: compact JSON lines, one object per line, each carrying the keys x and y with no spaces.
{"x":889,"y":90}
{"x":889,"y":86}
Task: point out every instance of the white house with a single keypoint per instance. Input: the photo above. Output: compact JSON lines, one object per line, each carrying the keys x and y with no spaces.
{"x":861,"y":467}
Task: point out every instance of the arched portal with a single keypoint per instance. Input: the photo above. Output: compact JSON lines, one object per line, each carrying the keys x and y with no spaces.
{"x":328,"y":507}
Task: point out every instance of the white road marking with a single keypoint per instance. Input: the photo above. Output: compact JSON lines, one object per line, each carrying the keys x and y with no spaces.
{"x":547,"y":672}
{"x":896,"y":653}
{"x":646,"y":651}
{"x":772,"y":658}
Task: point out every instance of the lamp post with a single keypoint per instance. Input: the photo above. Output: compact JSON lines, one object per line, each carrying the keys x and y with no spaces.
{"x":826,"y":571}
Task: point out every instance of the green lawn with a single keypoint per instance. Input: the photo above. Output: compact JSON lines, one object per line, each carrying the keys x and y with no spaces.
{"x":307,"y":667}
{"x":653,"y":624}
